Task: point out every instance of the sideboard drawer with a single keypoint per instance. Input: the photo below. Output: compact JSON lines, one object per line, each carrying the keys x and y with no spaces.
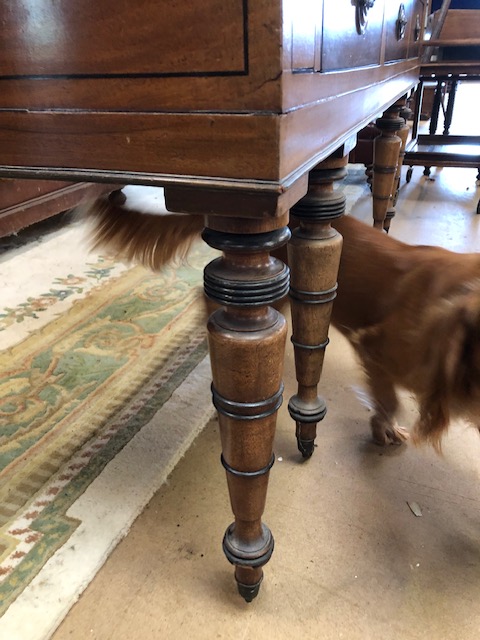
{"x":343,"y":46}
{"x":401,"y":42}
{"x":112,"y":37}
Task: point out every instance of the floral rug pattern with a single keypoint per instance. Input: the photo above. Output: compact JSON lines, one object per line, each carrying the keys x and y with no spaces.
{"x":61,"y":289}
{"x":101,"y":350}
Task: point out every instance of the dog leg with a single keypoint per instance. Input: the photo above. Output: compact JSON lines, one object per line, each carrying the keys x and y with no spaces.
{"x":383,"y":424}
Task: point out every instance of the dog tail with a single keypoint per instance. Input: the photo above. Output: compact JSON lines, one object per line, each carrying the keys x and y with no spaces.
{"x":149,"y":239}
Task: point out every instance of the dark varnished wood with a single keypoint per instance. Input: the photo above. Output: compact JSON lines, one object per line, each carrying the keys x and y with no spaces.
{"x":119,"y":41}
{"x":403,"y":134}
{"x":25,"y":202}
{"x":247,"y":341}
{"x":314,"y":256}
{"x":155,"y":114}
{"x":386,"y":154}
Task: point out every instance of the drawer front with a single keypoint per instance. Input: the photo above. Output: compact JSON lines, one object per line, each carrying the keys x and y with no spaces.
{"x":306,"y":20}
{"x":402,"y":29}
{"x":112,"y":37}
{"x":343,"y":46}
{"x":415,"y":27}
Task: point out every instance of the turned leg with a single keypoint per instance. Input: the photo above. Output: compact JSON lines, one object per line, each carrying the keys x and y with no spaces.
{"x":402,"y":133}
{"x":386,"y":151}
{"x":247,"y":342}
{"x":437,"y":101}
{"x":314,"y":256}
{"x":450,"y":105}
{"x":417,"y":114}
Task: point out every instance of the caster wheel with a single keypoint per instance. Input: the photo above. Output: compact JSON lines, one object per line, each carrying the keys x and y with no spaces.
{"x":408,"y":177}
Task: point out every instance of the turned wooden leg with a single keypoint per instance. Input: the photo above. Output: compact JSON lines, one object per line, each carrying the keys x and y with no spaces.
{"x":450,"y":105}
{"x":386,"y":151}
{"x":417,"y":114}
{"x":402,"y":133}
{"x":437,"y":102}
{"x":247,"y":343}
{"x":314,"y":256}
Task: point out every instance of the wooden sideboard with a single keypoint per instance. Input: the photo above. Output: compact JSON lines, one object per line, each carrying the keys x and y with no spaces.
{"x":241,"y":110}
{"x":25,"y":202}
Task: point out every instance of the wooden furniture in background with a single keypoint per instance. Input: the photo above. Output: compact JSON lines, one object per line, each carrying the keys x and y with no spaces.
{"x":229,"y":106}
{"x":453,"y":57}
{"x":25,"y":202}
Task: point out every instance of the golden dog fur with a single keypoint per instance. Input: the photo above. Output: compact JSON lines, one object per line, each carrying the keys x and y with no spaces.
{"x":412,"y":313}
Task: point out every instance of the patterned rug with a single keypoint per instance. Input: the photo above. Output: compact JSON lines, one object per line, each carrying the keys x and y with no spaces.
{"x":94,"y":353}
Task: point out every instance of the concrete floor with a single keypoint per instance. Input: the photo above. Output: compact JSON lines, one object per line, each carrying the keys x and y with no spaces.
{"x":351,"y":559}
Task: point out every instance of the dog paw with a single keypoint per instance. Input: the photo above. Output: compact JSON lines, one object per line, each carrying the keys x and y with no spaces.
{"x":384,"y":433}
{"x":397,"y":434}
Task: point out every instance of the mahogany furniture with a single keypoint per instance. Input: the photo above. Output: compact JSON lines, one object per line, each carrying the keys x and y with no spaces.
{"x":25,"y":202}
{"x":230,"y":106}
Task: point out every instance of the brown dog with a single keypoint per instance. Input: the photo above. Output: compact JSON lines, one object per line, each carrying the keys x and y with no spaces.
{"x":412,"y":313}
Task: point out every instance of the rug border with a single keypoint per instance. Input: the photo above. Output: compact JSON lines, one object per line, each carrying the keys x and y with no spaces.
{"x":130,"y":491}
